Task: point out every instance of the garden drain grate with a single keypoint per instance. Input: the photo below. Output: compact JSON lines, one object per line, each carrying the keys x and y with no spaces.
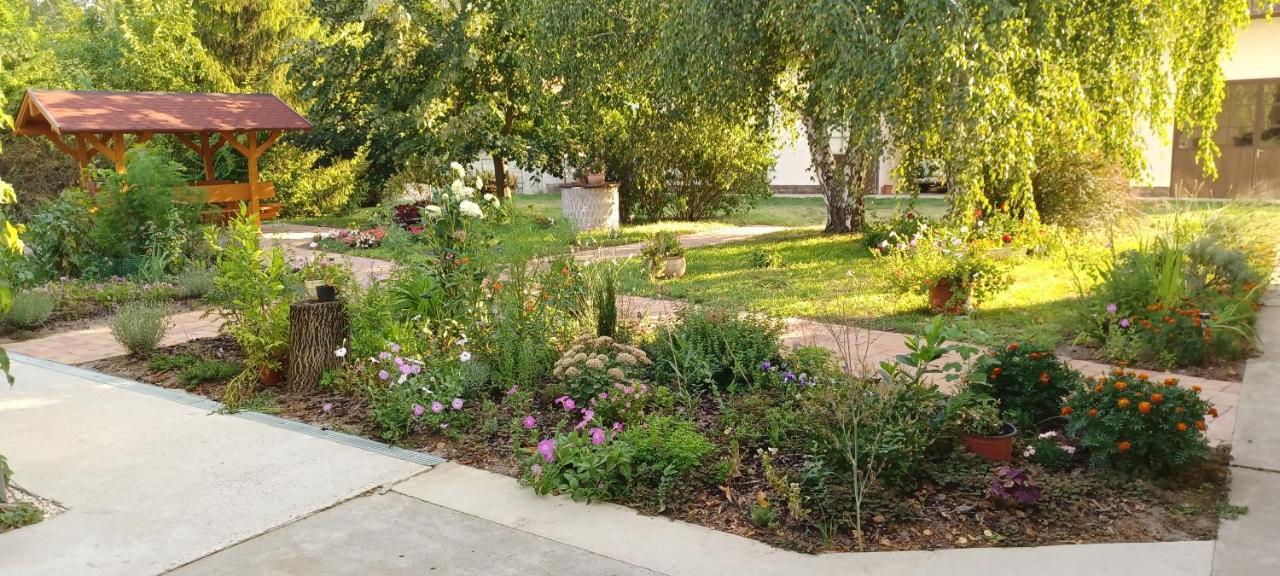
{"x":202,"y":403}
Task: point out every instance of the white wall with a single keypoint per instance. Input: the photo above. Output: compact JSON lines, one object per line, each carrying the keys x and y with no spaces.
{"x":794,"y":165}
{"x":527,"y":182}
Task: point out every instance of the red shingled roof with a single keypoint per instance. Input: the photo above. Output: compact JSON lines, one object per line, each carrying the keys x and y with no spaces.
{"x":72,"y":112}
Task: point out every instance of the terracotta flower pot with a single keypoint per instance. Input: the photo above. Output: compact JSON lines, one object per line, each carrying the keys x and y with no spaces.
{"x":674,"y":267}
{"x":940,"y":298}
{"x":269,"y":376}
{"x":993,"y":448}
{"x":595,"y":178}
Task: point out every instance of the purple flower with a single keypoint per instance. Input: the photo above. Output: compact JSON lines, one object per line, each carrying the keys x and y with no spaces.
{"x":406,"y":369}
{"x":395,"y":348}
{"x":1124,"y":322}
{"x":617,"y":426}
{"x":456,"y":404}
{"x":418,"y":410}
{"x":384,"y":355}
{"x":569,"y":405}
{"x":597,"y":436}
{"x":530,"y":421}
{"x":511,"y":391}
{"x":437,"y":407}
{"x":382,"y":375}
{"x":327,"y":407}
{"x":547,"y":448}
{"x":604,"y":395}
{"x":1111,"y":308}
{"x":764,"y":366}
{"x":789,"y":376}
{"x":536,"y":469}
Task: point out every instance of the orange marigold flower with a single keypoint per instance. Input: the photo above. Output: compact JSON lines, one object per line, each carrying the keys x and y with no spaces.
{"x":1144,"y":376}
{"x":1124,"y":445}
{"x":995,"y":372}
{"x":1098,"y":388}
{"x":1121,"y":385}
{"x":1181,"y":426}
{"x":1144,"y":407}
{"x":1123,"y":403}
{"x":1044,"y":377}
{"x":1012,"y":347}
{"x":1093,"y":412}
{"x":1157,"y":397}
{"x":1200,"y":425}
{"x":1196,"y":389}
{"x":1117,"y":372}
{"x":1213,"y":412}
{"x":497,"y":286}
{"x":1170,"y":381}
{"x":1067,"y":410}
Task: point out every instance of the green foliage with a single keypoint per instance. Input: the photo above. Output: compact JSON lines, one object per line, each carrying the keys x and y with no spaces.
{"x":139,"y":326}
{"x":193,"y":371}
{"x":30,"y":309}
{"x":941,"y":256}
{"x":1029,"y":382}
{"x":58,"y":235}
{"x":1131,"y":424}
{"x":252,"y":293}
{"x":606,"y":305}
{"x":195,"y":281}
{"x":18,"y":515}
{"x":761,"y":419}
{"x":594,"y":365}
{"x":308,"y":188}
{"x":762,"y":258}
{"x":663,"y":245}
{"x":146,"y":210}
{"x":583,"y":470}
{"x":1078,"y":189}
{"x":974,"y":413}
{"x":708,"y":349}
{"x":1048,"y":452}
{"x":689,"y":167}
{"x":894,"y":76}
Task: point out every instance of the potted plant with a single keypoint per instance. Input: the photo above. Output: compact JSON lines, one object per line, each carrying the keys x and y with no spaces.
{"x":977,"y":419}
{"x":665,"y":255}
{"x":595,"y":172}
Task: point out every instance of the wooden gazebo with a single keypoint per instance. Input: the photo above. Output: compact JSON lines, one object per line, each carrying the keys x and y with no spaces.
{"x":87,"y":123}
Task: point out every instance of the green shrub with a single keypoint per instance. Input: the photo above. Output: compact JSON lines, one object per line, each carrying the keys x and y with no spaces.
{"x":594,"y":365}
{"x":18,"y":515}
{"x":873,"y":428}
{"x":1078,"y":189}
{"x":195,"y":281}
{"x":1029,"y":382}
{"x":252,"y":293}
{"x":761,"y":257}
{"x":665,"y":448}
{"x":688,"y":167}
{"x":145,"y":210}
{"x":586,"y":465}
{"x":662,"y":245}
{"x":30,"y":309}
{"x":307,"y":188}
{"x":139,"y":326}
{"x":709,"y":349}
{"x":58,"y":235}
{"x":762,"y":420}
{"x":1047,"y":451}
{"x":1131,"y":424}
{"x":193,"y":371}
{"x":606,"y":306}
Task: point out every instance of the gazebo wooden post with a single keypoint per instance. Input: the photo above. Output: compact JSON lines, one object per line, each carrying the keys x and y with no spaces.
{"x":251,"y":138}
{"x":206,"y":154}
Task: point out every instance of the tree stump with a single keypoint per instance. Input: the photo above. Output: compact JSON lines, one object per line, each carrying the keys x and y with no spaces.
{"x":316,"y":330}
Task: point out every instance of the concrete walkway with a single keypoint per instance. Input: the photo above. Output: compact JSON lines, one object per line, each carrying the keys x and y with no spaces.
{"x":150,"y":483}
{"x":154,"y":482}
{"x":1250,"y":545}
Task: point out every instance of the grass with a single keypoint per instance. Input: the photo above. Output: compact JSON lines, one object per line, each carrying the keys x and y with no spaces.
{"x":835,"y":278}
{"x":539,"y":229}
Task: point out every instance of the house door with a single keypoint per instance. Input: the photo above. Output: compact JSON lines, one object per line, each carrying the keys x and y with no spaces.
{"x":1249,"y":137}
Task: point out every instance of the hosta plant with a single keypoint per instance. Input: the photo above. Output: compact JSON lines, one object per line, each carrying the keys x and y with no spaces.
{"x":1130,"y":423}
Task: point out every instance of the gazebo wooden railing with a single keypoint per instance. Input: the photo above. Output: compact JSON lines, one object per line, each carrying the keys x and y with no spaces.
{"x":84,"y":124}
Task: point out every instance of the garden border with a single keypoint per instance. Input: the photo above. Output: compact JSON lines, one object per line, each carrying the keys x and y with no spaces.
{"x":181,"y":397}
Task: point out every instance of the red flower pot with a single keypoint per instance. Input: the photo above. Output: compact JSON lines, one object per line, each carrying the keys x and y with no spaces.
{"x":940,"y":298}
{"x":993,"y":448}
{"x":269,"y":376}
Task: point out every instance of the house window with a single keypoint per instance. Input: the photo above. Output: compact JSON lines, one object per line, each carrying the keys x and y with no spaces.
{"x":1269,"y":136}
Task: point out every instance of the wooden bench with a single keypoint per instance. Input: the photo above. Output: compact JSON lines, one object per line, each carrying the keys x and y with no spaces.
{"x":225,"y":199}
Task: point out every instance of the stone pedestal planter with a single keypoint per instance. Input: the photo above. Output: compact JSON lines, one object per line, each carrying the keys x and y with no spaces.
{"x":591,"y":207}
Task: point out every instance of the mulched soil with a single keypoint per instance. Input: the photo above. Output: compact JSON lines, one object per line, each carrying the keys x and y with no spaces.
{"x":948,"y":511}
{"x":1224,"y":370}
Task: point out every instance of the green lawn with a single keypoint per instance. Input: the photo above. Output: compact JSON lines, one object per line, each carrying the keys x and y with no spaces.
{"x":835,"y":278}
